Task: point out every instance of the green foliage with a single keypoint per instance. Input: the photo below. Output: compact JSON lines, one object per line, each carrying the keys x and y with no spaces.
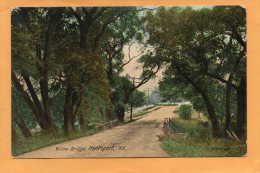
{"x":187,"y":147}
{"x":200,"y":49}
{"x":22,"y":145}
{"x":66,"y":47}
{"x":138,"y":99}
{"x":94,"y":106}
{"x":198,"y":141}
{"x":185,"y":112}
{"x":121,"y":87}
{"x":194,"y":128}
{"x":168,"y":92}
{"x":198,"y":104}
{"x":20,"y":108}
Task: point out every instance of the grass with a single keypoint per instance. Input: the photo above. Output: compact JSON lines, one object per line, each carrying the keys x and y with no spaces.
{"x":167,"y":104}
{"x":23,"y":145}
{"x":198,"y":141}
{"x":145,"y":111}
{"x":141,"y":113}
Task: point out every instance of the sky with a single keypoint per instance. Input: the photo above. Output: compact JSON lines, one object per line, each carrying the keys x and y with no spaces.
{"x":134,"y":70}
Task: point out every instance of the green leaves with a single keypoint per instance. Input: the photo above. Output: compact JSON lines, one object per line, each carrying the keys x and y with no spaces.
{"x":199,"y":48}
{"x":138,"y":98}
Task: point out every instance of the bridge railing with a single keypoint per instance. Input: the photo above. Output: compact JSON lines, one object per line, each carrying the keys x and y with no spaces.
{"x":107,"y":125}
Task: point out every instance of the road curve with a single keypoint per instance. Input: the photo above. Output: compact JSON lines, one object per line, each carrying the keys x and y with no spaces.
{"x":136,"y":139}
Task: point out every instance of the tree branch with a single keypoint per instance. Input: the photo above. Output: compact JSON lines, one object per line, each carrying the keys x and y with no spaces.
{"x":130,"y":58}
{"x":147,"y":78}
{"x":31,"y":90}
{"x":221,"y":79}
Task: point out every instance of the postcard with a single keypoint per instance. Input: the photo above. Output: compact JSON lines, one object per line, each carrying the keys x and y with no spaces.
{"x":156,"y":82}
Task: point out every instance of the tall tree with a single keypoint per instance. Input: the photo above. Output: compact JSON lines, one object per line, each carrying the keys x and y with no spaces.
{"x":36,"y":35}
{"x":85,"y":65}
{"x":20,"y":112}
{"x":197,"y":47}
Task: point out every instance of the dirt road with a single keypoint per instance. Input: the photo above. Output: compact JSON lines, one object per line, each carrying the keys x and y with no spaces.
{"x":136,"y":139}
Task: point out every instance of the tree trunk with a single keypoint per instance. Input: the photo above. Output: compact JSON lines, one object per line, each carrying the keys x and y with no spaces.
{"x":33,"y":94}
{"x":120,"y":113}
{"x":68,"y":109}
{"x":21,"y":124}
{"x":14,"y":133}
{"x":45,"y":96}
{"x":227,"y":108}
{"x":228,"y":103}
{"x":210,"y":109}
{"x":42,"y":53}
{"x":84,"y":29}
{"x":241,"y":108}
{"x":35,"y":110}
{"x":82,"y":121}
{"x":27,"y":98}
{"x":110,"y":70}
{"x":212,"y":115}
{"x":72,"y":104}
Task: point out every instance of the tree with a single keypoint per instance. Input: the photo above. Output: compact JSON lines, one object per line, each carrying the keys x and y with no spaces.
{"x":124,"y":32}
{"x":196,"y":46}
{"x":118,"y":96}
{"x":19,"y":113}
{"x":231,"y":24}
{"x":58,"y":56}
{"x":179,"y":57}
{"x":84,"y":65}
{"x":31,"y":39}
{"x":170,"y":90}
{"x":138,"y":98}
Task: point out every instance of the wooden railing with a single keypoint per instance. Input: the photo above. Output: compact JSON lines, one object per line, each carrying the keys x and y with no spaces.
{"x":168,"y":131}
{"x":107,"y":125}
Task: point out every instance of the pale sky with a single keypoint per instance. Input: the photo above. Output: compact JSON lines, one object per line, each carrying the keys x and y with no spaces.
{"x":134,"y":70}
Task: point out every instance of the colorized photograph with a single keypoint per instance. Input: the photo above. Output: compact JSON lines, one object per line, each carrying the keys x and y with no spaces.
{"x":129,"y":82}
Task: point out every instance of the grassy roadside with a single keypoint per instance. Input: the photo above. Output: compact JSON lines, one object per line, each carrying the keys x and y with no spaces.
{"x":168,"y":104}
{"x":24,"y":145}
{"x":142,"y":112}
{"x":198,"y":141}
{"x":145,"y":111}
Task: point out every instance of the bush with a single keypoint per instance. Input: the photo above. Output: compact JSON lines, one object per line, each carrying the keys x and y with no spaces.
{"x":198,"y":141}
{"x":185,"y":112}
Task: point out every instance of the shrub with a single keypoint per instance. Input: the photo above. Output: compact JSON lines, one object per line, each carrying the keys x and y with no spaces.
{"x":185,"y":112}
